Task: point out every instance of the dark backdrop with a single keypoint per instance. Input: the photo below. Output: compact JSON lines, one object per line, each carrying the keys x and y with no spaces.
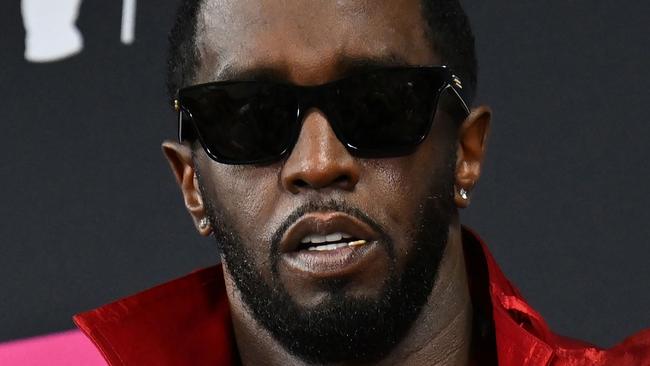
{"x":89,"y":212}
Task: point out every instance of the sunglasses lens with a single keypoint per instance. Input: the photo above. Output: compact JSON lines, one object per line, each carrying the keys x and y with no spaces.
{"x":382,"y":113}
{"x":386,"y":113}
{"x":243,"y":122}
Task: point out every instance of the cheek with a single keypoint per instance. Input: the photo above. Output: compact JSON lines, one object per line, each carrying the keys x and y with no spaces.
{"x":391,"y":181}
{"x":405,"y":183}
{"x":401,"y":184}
{"x":247,"y":197}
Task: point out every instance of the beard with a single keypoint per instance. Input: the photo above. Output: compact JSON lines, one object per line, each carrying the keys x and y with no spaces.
{"x":342,"y":328}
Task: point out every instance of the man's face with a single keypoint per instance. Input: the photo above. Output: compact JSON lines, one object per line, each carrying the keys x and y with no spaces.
{"x":338,"y":300}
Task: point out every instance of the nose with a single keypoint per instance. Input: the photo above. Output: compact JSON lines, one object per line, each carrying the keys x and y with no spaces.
{"x":319,"y":160}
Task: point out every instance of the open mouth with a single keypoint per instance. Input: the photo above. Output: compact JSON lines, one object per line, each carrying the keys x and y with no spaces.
{"x":326,"y":231}
{"x":327,"y":242}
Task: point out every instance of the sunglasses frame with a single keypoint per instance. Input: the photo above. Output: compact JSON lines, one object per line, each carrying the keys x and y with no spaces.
{"x":451,"y":84}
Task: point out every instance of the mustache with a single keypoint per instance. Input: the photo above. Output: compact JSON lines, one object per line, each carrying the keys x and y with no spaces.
{"x":325,"y":206}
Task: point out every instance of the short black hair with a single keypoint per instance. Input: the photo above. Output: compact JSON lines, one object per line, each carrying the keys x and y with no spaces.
{"x":448,"y":29}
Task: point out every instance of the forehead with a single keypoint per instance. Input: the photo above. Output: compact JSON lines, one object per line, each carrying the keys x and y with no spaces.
{"x":307,"y":41}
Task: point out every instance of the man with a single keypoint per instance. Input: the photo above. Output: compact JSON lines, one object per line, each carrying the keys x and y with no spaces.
{"x":327,"y":147}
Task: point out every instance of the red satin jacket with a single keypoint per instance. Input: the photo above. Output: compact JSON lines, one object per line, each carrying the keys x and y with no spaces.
{"x":187,"y":322}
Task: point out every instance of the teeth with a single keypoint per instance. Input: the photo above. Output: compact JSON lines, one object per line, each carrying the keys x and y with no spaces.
{"x":317,"y":239}
{"x":337,"y":245}
{"x":334,"y":237}
{"x":330,"y":241}
{"x":329,"y":246}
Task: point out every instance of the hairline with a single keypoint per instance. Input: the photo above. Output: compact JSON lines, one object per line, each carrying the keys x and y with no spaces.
{"x":231,"y":72}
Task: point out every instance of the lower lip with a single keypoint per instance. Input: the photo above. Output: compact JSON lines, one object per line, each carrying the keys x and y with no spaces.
{"x":331,"y":263}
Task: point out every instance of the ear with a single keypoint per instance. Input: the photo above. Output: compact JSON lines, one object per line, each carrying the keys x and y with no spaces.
{"x":179,"y":157}
{"x":472,"y":138}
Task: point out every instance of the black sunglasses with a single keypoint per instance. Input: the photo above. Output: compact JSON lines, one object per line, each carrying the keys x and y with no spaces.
{"x":383,"y":112}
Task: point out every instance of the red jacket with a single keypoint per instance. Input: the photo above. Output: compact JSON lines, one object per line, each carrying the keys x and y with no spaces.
{"x":187,"y":322}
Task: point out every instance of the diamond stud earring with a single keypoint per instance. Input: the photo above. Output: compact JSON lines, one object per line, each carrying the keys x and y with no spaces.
{"x":463,"y":193}
{"x":204,"y":223}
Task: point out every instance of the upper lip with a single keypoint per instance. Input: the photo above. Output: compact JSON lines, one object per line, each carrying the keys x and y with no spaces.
{"x":323,"y":223}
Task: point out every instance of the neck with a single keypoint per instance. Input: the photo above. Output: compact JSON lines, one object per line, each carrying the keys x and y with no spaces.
{"x":440,"y":336}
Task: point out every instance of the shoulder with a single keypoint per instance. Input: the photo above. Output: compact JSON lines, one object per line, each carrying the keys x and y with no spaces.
{"x":522,"y":336}
{"x":633,"y":351}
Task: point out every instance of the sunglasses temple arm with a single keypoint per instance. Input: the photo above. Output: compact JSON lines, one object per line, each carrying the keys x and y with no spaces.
{"x":180,"y":126}
{"x":450,"y":88}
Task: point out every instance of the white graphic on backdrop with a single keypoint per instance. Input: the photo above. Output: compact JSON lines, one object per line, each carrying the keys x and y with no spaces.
{"x":128,"y":21}
{"x":51,"y":33}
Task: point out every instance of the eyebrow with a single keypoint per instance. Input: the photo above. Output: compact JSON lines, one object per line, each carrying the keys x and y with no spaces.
{"x":346,"y":65}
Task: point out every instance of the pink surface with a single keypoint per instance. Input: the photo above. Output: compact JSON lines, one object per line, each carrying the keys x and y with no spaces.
{"x":65,"y":348}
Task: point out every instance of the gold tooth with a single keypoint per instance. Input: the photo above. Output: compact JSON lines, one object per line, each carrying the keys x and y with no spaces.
{"x":356,"y":243}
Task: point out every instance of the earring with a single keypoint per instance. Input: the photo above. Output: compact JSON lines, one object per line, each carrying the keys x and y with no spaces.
{"x":463,"y":193}
{"x":204,"y":223}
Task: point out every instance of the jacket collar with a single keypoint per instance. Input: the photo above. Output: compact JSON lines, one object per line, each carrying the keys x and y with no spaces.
{"x":182,"y":322}
{"x":521,"y":335}
{"x":187,"y":321}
